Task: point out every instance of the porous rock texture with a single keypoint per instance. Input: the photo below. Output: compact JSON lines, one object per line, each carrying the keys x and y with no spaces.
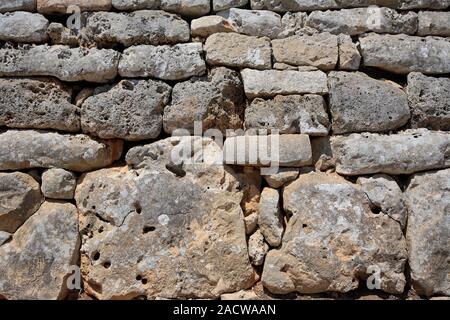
{"x":224,"y":149}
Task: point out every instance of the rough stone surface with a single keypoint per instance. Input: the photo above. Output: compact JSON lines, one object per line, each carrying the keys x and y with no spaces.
{"x":349,"y":56}
{"x":37,"y":103}
{"x":385,"y":194}
{"x":205,"y":26}
{"x":257,"y":248}
{"x":58,"y":184}
{"x":332,"y":240}
{"x":251,"y":223}
{"x":238,"y":51}
{"x":61,"y":6}
{"x":133,"y":5}
{"x":283,"y":176}
{"x":23,"y":27}
{"x":259,"y":23}
{"x":130,"y":110}
{"x":289,"y":114}
{"x":269,"y":83}
{"x":20,"y":197}
{"x":37,"y":149}
{"x":429,"y":100}
{"x":17,"y":5}
{"x":166,"y":62}
{"x":4,"y":237}
{"x":271,"y":150}
{"x":153,"y":27}
{"x":240,"y":295}
{"x":293,"y":23}
{"x":219,"y":5}
{"x":428,"y":233}
{"x":77,"y":64}
{"x":61,"y":35}
{"x":359,"y":103}
{"x":403,"y":54}
{"x":184,"y":234}
{"x":403,"y":153}
{"x":434,"y":23}
{"x":270,"y":219}
{"x":319,"y":50}
{"x":189,"y":8}
{"x":216,"y":101}
{"x":37,"y":261}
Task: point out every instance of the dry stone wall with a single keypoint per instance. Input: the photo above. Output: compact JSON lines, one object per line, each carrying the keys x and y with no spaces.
{"x":224,"y":149}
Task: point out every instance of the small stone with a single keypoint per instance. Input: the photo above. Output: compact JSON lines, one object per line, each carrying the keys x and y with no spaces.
{"x":205,"y":26}
{"x":38,"y":149}
{"x":251,"y":222}
{"x":17,"y":5}
{"x":270,"y":219}
{"x":134,"y":5}
{"x":292,"y":23}
{"x":349,"y":56}
{"x":323,"y":159}
{"x":429,"y":100}
{"x":62,"y":35}
{"x":83,"y":95}
{"x":289,"y":114}
{"x":219,"y":5}
{"x":189,"y":8}
{"x":427,"y":234}
{"x":434,"y":23}
{"x":130,"y":110}
{"x":282,"y":177}
{"x":42,"y":103}
{"x":61,"y":6}
{"x":320,"y":50}
{"x":359,"y":103}
{"x":284,"y":66}
{"x":250,"y":184}
{"x":4,"y":237}
{"x":385,"y":194}
{"x":20,"y":198}
{"x":241,"y":295}
{"x":257,"y":248}
{"x":239,"y":51}
{"x":35,"y":264}
{"x":406,"y":152}
{"x":176,"y":62}
{"x":58,"y":184}
{"x":269,"y":83}
{"x":23,"y":26}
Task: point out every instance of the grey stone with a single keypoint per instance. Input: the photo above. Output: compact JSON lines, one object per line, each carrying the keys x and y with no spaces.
{"x":333,"y":241}
{"x":61,"y":6}
{"x":429,"y":100}
{"x":189,"y":8}
{"x":359,"y":103}
{"x":240,"y":295}
{"x":349,"y":56}
{"x":251,"y":223}
{"x":422,"y":4}
{"x":77,"y":64}
{"x":403,"y":54}
{"x":434,"y":23}
{"x":35,"y":264}
{"x":219,"y":5}
{"x":23,"y":26}
{"x":42,"y":103}
{"x":176,"y":62}
{"x":38,"y":149}
{"x":257,"y":248}
{"x":153,"y":27}
{"x":289,"y":114}
{"x":217,"y":101}
{"x":269,"y":83}
{"x":4,"y":237}
{"x":58,"y":184}
{"x":259,"y":23}
{"x":292,"y":23}
{"x":270,"y":219}
{"x":282,"y":177}
{"x":428,"y":232}
{"x":205,"y":26}
{"x":287,"y":150}
{"x":130,"y":110}
{"x":406,"y":152}
{"x":385,"y":194}
{"x":320,"y":50}
{"x":18,"y":5}
{"x":133,"y":5}
{"x":20,"y":198}
{"x":62,"y":35}
{"x":239,"y":51}
{"x":185,"y":236}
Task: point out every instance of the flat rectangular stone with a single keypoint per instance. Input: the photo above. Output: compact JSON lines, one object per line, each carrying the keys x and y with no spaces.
{"x":433,"y":23}
{"x":402,"y":153}
{"x":188,"y":8}
{"x":288,"y":150}
{"x":166,"y":62}
{"x":64,"y":63}
{"x":133,"y":5}
{"x":61,"y":6}
{"x":23,"y":27}
{"x":403,"y":54}
{"x":17,"y":5}
{"x":269,"y":83}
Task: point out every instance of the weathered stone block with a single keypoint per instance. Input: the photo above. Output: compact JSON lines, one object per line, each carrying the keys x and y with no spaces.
{"x":61,"y":6}
{"x":219,"y":5}
{"x":58,"y":184}
{"x":434,"y":23}
{"x":18,"y":5}
{"x":23,"y":27}
{"x":205,"y":26}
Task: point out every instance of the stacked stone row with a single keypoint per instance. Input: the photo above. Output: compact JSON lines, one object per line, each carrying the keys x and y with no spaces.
{"x":363,"y":180}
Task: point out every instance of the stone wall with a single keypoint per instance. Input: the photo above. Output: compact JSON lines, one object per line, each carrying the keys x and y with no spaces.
{"x":112,"y":167}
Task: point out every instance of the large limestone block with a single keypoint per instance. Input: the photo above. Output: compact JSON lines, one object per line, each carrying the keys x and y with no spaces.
{"x":140,"y":27}
{"x":359,"y":103}
{"x":20,"y":197}
{"x":23,"y":27}
{"x":188,"y":8}
{"x":269,"y":83}
{"x":333,"y":241}
{"x":133,"y":5}
{"x":406,"y":152}
{"x":166,"y":62}
{"x":130,"y":110}
{"x":64,"y":63}
{"x":403,"y":54}
{"x":238,"y":51}
{"x":35,"y":264}
{"x":17,"y":5}
{"x":39,"y":149}
{"x":434,"y":23}
{"x":42,"y":103}
{"x":164,"y":229}
{"x":428,"y":232}
{"x":61,"y":6}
